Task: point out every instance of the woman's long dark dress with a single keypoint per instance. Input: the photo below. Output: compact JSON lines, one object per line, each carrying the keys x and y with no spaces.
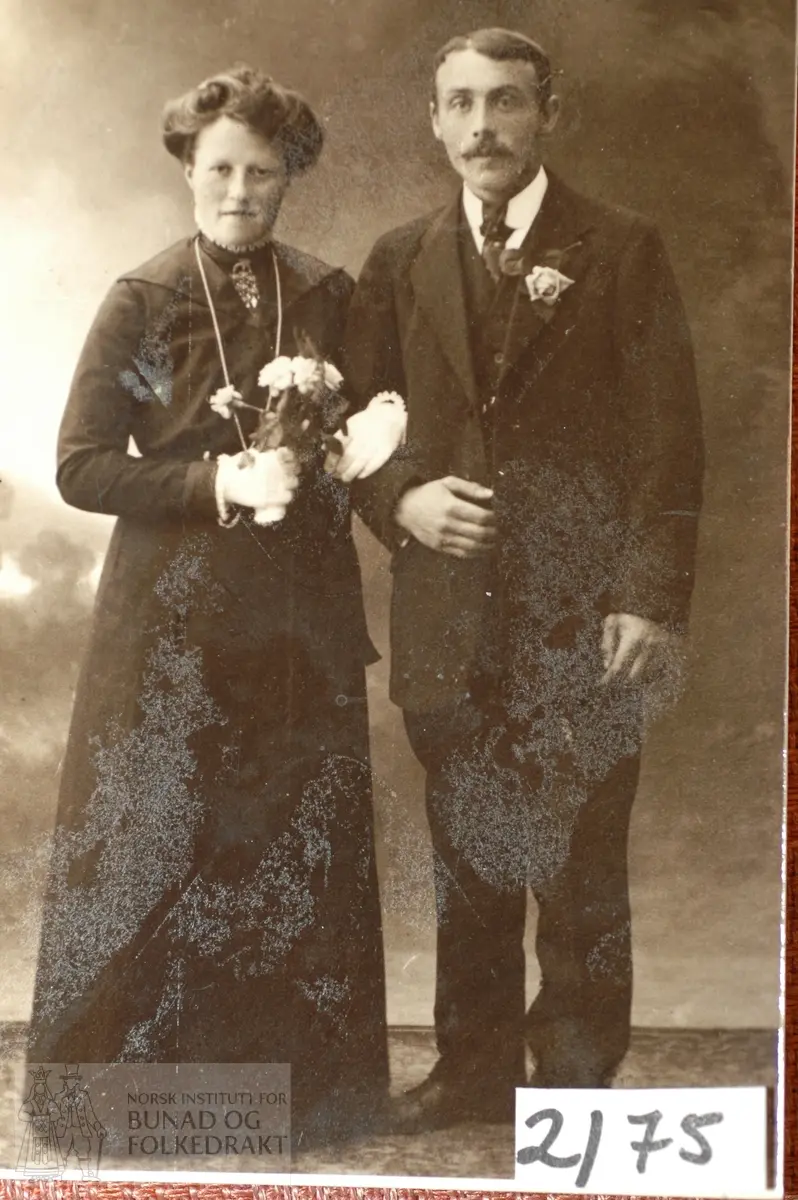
{"x":212,"y":895}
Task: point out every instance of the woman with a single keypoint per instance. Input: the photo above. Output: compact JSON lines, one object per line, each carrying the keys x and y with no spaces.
{"x":213,"y":895}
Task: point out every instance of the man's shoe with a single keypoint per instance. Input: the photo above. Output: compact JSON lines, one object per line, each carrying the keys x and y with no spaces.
{"x":566,"y":1055}
{"x":439,"y":1102}
{"x":433,"y":1104}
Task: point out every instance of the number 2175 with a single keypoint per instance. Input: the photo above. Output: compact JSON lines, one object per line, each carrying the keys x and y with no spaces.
{"x":695,"y":1149}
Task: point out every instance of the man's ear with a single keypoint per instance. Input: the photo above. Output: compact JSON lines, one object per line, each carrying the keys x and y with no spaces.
{"x":551,"y":113}
{"x":433,"y":115}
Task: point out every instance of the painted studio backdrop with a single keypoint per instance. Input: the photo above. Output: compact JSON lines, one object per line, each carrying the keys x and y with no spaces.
{"x":681,"y":111}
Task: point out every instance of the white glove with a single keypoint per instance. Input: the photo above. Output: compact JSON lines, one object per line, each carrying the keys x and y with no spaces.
{"x":264,"y":480}
{"x":371,"y":437}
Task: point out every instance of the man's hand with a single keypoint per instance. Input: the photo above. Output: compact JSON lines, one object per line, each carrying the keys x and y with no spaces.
{"x":629,"y":644}
{"x":444,"y":515}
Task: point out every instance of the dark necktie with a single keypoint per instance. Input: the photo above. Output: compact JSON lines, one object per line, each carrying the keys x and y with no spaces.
{"x":245,"y":283}
{"x":495,"y":234}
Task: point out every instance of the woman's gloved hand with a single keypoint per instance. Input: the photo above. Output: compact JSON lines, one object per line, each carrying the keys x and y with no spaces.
{"x":263,"y":480}
{"x":371,"y":437}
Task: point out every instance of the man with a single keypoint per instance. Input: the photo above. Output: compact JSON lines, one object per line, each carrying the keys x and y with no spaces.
{"x":543,"y":520}
{"x":77,"y":1127}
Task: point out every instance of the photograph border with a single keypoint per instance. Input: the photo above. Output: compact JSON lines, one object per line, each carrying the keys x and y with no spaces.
{"x":787,"y":1094}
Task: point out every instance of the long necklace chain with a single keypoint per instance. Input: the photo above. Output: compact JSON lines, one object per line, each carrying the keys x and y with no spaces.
{"x":217,"y":331}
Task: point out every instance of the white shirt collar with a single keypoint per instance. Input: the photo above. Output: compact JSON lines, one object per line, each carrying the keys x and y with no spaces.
{"x":521,"y":211}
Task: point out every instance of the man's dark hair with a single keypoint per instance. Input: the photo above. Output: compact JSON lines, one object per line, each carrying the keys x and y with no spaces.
{"x":250,"y":96}
{"x":502,"y":45}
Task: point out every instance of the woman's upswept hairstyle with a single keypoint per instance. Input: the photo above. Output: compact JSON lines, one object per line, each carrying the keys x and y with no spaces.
{"x":250,"y":96}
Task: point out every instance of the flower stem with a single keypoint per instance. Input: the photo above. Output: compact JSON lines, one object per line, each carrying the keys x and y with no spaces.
{"x":240,"y":430}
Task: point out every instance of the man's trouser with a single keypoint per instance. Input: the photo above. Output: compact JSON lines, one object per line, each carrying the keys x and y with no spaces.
{"x":578,"y":1027}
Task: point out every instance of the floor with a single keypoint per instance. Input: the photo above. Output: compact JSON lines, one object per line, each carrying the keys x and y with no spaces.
{"x":657,"y":1058}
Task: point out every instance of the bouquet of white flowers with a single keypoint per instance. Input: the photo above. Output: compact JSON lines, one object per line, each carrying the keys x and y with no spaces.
{"x":302,"y":420}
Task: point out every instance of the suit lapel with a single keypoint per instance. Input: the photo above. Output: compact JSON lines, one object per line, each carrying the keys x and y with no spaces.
{"x":437,"y":280}
{"x":562,"y":225}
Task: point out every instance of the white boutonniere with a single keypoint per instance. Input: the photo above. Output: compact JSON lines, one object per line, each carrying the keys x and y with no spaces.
{"x":546,"y":284}
{"x":544,"y":281}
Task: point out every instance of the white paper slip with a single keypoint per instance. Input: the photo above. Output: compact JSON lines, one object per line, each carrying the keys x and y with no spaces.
{"x":642,"y":1141}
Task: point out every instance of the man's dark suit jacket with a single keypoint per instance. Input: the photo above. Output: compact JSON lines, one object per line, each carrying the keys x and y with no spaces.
{"x":592,"y":439}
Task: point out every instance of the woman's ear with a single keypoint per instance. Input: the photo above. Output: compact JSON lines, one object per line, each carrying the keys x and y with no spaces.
{"x":188,"y":171}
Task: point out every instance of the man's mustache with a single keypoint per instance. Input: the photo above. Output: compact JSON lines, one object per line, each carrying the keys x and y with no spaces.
{"x":487,"y":150}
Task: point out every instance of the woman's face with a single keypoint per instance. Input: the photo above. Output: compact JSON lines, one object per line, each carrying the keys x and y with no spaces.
{"x":238,"y":180}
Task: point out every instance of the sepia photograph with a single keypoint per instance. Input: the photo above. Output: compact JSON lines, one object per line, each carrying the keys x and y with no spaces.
{"x":394,"y":474}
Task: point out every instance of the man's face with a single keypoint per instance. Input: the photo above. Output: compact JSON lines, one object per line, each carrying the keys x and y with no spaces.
{"x":489,"y":117}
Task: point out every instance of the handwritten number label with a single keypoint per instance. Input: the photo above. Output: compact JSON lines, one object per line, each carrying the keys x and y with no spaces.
{"x":531,"y":1154}
{"x":649,"y":1144}
{"x":661,"y":1135}
{"x":591,"y":1149}
{"x":691,"y":1125}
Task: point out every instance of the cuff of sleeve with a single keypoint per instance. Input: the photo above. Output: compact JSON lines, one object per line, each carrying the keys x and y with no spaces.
{"x":199,"y":490}
{"x":401,"y":537}
{"x":672,"y":612}
{"x":395,"y":537}
{"x":375,"y":498}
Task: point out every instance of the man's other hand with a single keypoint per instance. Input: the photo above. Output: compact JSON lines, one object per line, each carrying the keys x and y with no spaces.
{"x":630,"y":644}
{"x":446,"y":515}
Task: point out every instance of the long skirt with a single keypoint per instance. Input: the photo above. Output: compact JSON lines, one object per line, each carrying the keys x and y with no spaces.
{"x":213,"y":897}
